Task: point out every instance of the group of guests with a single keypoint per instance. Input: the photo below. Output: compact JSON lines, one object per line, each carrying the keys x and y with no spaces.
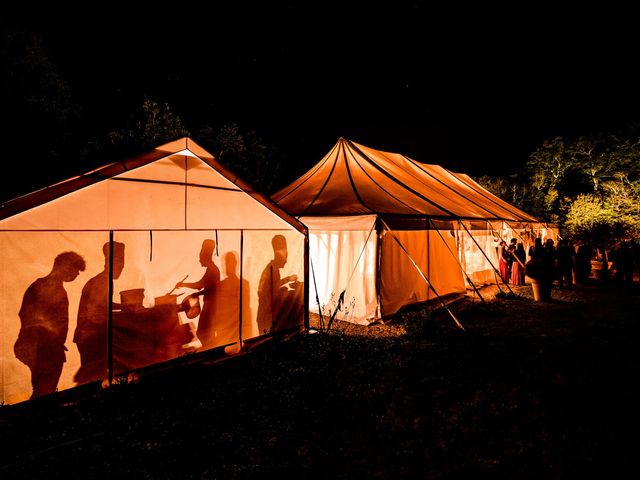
{"x":623,"y":257}
{"x":512,"y":261}
{"x":567,"y":263}
{"x":560,"y":262}
{"x":572,"y":262}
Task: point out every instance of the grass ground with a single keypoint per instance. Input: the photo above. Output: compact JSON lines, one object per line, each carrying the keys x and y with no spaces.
{"x":528,"y":390}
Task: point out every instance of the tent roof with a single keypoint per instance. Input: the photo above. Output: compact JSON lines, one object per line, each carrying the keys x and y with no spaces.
{"x":463,"y":177}
{"x":353,"y":180}
{"x":133,"y":169}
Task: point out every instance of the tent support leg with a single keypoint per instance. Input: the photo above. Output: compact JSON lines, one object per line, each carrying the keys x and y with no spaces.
{"x":110,"y":314}
{"x":315,"y":285}
{"x":500,"y":237}
{"x":488,"y":259}
{"x":457,"y":260}
{"x":424,"y":277}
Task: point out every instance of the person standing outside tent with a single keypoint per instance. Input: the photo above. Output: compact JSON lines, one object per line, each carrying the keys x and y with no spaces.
{"x":517,"y":267}
{"x":208,"y":287}
{"x":505,"y":271}
{"x":583,"y":263}
{"x":566,"y":263}
{"x":535,"y":250}
{"x":44,"y":323}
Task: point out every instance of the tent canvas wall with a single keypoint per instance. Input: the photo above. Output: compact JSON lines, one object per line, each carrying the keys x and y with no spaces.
{"x":141,"y":226}
{"x":390,"y":231}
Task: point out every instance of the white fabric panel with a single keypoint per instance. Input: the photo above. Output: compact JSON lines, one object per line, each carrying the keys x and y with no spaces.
{"x":334,"y":256}
{"x":27,"y":256}
{"x":133,"y":204}
{"x":332,"y":224}
{"x":208,"y":208}
{"x":170,"y":169}
{"x":258,"y":256}
{"x":476,"y":264}
{"x":157,"y":264}
{"x":401,"y":283}
{"x":200,"y":173}
{"x":108,"y":205}
{"x":136,"y":205}
{"x":79,"y":210}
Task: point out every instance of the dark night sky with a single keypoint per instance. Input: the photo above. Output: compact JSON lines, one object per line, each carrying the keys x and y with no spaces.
{"x":472,"y":92}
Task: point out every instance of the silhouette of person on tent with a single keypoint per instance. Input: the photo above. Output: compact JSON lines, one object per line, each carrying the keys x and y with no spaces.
{"x":208,"y":287}
{"x":228,"y":311}
{"x":44,"y":323}
{"x":91,"y":335}
{"x":280,"y":301}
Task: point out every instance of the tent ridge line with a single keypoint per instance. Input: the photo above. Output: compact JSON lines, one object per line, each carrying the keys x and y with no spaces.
{"x":326,"y":182}
{"x":384,"y":172}
{"x":310,"y":174}
{"x":181,"y":184}
{"x":111,"y":170}
{"x":414,"y":163}
{"x":518,"y":218}
{"x":353,"y":184}
{"x":381,"y":188}
{"x":509,"y":207}
{"x":403,"y":215}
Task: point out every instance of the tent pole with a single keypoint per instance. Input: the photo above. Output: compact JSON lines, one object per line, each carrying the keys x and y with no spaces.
{"x":457,"y":260}
{"x":306,"y":281}
{"x":518,"y":234}
{"x":240,"y":299}
{"x":423,"y":276}
{"x":500,"y":237}
{"x":110,"y":313}
{"x":341,"y":296}
{"x":513,"y":229}
{"x":315,"y":285}
{"x":378,"y":266}
{"x":485,"y":255}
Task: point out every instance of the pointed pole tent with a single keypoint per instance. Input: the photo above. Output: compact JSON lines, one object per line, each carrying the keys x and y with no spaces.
{"x":422,"y":275}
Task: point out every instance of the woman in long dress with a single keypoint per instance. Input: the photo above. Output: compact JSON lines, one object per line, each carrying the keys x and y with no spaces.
{"x":517,"y":267}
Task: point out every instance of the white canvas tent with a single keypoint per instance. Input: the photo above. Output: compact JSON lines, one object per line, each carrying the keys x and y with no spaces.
{"x":91,"y":265}
{"x":386,"y":231}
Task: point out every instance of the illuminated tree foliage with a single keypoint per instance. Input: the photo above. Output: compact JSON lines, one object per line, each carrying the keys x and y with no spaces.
{"x":590,"y":186}
{"x":593,"y":219}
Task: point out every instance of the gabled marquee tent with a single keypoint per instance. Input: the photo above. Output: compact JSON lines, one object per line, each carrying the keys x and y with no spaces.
{"x":139,"y":262}
{"x":386,"y":231}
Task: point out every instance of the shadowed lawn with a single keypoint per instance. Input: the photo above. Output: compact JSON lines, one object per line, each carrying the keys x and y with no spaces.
{"x":529,"y":390}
